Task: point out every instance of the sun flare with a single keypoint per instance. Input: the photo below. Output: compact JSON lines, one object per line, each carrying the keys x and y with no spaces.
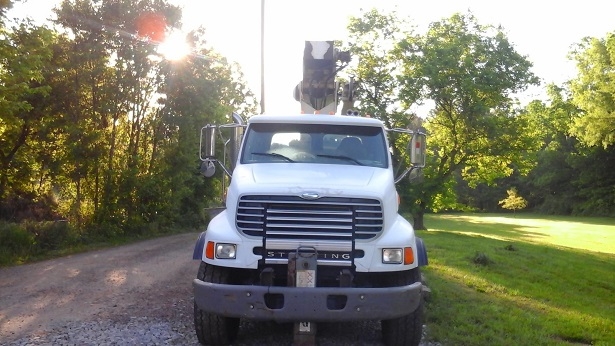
{"x":174,"y":47}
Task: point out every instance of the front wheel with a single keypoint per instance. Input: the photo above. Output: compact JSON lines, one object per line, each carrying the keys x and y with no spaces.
{"x":405,"y":330}
{"x":212,"y":329}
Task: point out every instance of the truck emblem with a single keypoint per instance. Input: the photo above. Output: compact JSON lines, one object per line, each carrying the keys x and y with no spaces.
{"x":310,"y":195}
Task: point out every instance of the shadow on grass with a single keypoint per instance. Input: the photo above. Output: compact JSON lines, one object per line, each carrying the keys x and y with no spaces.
{"x":527,"y":293}
{"x":563,"y":232}
{"x":472,"y":224}
{"x":596,"y":221}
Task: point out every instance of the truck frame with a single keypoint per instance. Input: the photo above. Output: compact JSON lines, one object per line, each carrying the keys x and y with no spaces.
{"x":311,"y":231}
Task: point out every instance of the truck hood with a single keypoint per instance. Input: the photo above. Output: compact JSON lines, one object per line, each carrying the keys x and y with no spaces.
{"x":326,"y":180}
{"x":309,"y":174}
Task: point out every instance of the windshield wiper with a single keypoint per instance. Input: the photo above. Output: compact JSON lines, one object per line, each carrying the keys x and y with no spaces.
{"x":275,"y":155}
{"x":342,"y":157}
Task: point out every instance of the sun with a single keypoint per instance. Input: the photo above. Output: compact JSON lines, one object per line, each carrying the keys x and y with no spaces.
{"x":174,"y":46}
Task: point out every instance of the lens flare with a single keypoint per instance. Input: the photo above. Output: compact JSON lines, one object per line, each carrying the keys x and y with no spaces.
{"x":174,"y":47}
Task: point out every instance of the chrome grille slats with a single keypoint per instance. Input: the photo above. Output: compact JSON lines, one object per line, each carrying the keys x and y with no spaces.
{"x":324,"y":219}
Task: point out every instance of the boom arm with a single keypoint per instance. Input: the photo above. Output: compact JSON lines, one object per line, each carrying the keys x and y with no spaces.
{"x":318,"y":91}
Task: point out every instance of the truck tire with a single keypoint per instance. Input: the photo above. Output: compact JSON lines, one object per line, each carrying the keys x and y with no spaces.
{"x":405,"y":330}
{"x":212,"y":329}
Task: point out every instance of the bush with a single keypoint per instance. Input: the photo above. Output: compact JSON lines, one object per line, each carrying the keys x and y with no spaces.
{"x":103,"y":231}
{"x":52,"y":235}
{"x":24,"y":241}
{"x":16,"y":243}
{"x":510,"y":247}
{"x":481,"y":259}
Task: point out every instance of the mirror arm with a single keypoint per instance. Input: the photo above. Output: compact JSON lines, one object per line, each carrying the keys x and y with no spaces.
{"x":230,"y":126}
{"x":237,"y":119}
{"x":226,"y":141}
{"x":404,"y":174}
{"x":223,"y":167}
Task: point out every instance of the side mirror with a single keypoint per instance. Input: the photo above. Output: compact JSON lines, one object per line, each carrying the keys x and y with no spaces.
{"x":208,"y":168}
{"x":418,"y":148}
{"x":208,"y":142}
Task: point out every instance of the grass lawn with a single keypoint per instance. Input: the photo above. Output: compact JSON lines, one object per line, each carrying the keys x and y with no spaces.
{"x":520,"y":279}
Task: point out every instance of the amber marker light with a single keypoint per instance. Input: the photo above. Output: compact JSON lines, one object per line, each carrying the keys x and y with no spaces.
{"x":209,"y":250}
{"x":408,"y":255}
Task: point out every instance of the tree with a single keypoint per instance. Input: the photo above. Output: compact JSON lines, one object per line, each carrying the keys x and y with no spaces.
{"x":139,"y":114}
{"x":25,"y":51}
{"x":594,"y":182}
{"x":513,"y":201}
{"x":376,"y":67}
{"x":549,"y":184}
{"x":570,"y":178}
{"x":370,"y":41}
{"x":593,"y":90}
{"x":198,"y":90}
{"x":471,"y":73}
{"x":5,"y":5}
{"x":113,"y":84}
{"x":97,"y":121}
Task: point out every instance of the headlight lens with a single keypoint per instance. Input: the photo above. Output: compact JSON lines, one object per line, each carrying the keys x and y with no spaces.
{"x":226,"y":250}
{"x":393,"y":256}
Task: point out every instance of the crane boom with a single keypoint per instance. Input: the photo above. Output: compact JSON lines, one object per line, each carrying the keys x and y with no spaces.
{"x":319,"y":91}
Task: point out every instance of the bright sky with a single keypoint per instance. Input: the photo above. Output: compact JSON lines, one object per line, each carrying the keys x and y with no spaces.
{"x":543,"y":30}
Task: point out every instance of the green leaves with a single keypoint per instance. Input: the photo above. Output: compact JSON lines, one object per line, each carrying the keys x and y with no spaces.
{"x":95,"y":119}
{"x":513,"y":201}
{"x":471,"y":73}
{"x":376,"y":65}
{"x":593,"y":90}
{"x":463,"y":66}
{"x":25,"y":51}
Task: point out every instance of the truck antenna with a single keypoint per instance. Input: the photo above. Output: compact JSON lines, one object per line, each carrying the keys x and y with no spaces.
{"x":262,"y":56}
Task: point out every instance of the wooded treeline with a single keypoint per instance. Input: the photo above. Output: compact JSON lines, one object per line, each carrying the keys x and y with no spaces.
{"x":101,"y":130}
{"x":98,"y":129}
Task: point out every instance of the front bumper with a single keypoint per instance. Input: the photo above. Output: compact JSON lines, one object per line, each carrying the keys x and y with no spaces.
{"x":307,"y":303}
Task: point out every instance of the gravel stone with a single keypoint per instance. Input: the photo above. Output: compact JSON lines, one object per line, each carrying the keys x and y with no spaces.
{"x":136,"y":331}
{"x":145,"y":331}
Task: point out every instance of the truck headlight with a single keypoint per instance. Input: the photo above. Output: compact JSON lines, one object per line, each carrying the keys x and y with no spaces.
{"x":393,"y":256}
{"x":398,"y":256}
{"x":226,"y":251}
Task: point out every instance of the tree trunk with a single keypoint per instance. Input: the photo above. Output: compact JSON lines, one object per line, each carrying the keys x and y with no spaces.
{"x":417,"y":217}
{"x":109,"y":174}
{"x":77,"y":205}
{"x":4,"y":179}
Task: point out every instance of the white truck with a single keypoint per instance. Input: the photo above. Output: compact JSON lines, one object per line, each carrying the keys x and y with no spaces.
{"x":311,"y":231}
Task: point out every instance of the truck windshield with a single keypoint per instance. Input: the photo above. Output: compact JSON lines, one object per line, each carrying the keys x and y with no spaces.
{"x":315,"y":143}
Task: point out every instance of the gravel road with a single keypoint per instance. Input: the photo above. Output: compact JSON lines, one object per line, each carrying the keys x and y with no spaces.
{"x":138,"y":294}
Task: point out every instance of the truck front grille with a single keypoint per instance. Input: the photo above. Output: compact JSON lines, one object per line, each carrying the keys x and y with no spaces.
{"x":327,"y":219}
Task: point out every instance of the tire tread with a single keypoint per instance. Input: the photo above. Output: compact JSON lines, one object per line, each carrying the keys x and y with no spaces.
{"x":405,"y":330}
{"x":212,"y":329}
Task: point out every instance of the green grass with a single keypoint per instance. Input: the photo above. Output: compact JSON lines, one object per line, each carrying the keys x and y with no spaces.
{"x":520,"y":280}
